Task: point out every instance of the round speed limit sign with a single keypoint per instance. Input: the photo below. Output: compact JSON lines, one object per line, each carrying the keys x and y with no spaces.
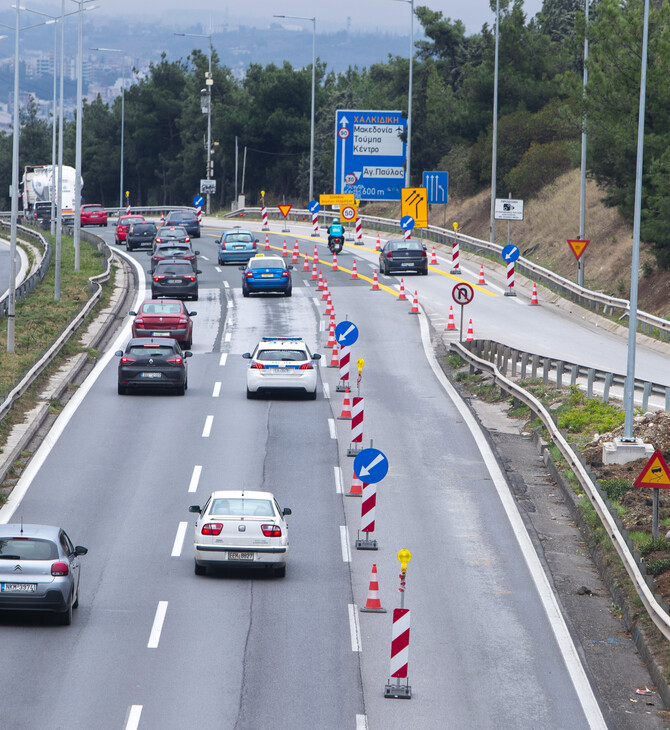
{"x":348,"y":212}
{"x":342,"y":132}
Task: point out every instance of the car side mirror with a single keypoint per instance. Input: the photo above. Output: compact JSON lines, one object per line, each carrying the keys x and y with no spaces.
{"x":132,"y":314}
{"x":197,"y":271}
{"x":197,"y":253}
{"x":247,"y":356}
{"x":316,"y":356}
{"x":257,"y":241}
{"x":286,"y":511}
{"x":290,"y":266}
{"x":80,"y":550}
{"x":150,"y":253}
{"x":195,"y":508}
{"x":188,"y":353}
{"x":241,"y":268}
{"x":192,"y":314}
{"x":150,"y":271}
{"x":119,"y":353}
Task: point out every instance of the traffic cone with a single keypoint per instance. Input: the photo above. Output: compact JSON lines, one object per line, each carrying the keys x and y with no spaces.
{"x":316,"y":255}
{"x":162,"y":218}
{"x":267,"y":242}
{"x":296,"y":253}
{"x":354,"y":271}
{"x":356,"y":487}
{"x":373,"y":604}
{"x":335,"y":266}
{"x":470,"y":335}
{"x":332,"y":342}
{"x":284,"y":251}
{"x":345,"y":415}
{"x":334,"y":358}
{"x":326,"y":293}
{"x":314,"y":276}
{"x":482,"y":280}
{"x":378,"y":247}
{"x":329,"y":305}
{"x":415,"y":304}
{"x":319,"y":285}
{"x":305,"y":264}
{"x":433,"y":258}
{"x":401,"y":296}
{"x":533,"y":297}
{"x":451,"y":325}
{"x":332,"y":317}
{"x":375,"y":282}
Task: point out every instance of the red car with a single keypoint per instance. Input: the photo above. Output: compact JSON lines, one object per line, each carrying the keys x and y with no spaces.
{"x":123,"y":226}
{"x":164,"y":318}
{"x":93,"y":214}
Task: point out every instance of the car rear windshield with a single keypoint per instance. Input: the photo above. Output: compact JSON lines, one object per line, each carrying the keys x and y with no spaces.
{"x":266,"y":263}
{"x":150,"y":351}
{"x":407,"y":246}
{"x":277,"y":355}
{"x":128,"y":221}
{"x":143,"y":228}
{"x":177,"y":267}
{"x":173,"y":250}
{"x":238,"y":238}
{"x":27,"y":548}
{"x":93,"y":208}
{"x":186,"y":216}
{"x":161,"y":308}
{"x":241,"y":507}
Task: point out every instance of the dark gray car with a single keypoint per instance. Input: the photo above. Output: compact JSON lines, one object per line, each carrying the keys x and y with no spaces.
{"x":140,"y":234}
{"x":39,"y":570}
{"x":403,"y":254}
{"x":175,"y":279}
{"x":186,"y":218}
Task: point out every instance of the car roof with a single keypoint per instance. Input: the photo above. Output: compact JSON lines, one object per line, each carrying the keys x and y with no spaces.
{"x":15,"y":529}
{"x":238,"y":230}
{"x":162,"y":301}
{"x":150,"y":341}
{"x":251,"y":494}
{"x":268,"y":260}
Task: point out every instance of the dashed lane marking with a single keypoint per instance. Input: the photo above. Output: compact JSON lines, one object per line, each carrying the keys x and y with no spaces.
{"x":195,"y":478}
{"x":159,"y":618}
{"x":179,"y":540}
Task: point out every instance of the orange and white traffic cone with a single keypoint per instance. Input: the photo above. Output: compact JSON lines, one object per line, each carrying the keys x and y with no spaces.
{"x":329,"y":305}
{"x":314,"y":274}
{"x":345,"y":415}
{"x":319,"y":284}
{"x":378,"y":247}
{"x":533,"y":298}
{"x":332,"y":342}
{"x":267,"y":242}
{"x":316,"y":255}
{"x":482,"y":280}
{"x":326,"y":293}
{"x":356,"y":487}
{"x":334,"y":359}
{"x":470,"y":335}
{"x":375,"y":282}
{"x":354,"y":271}
{"x":415,"y":304}
{"x":451,"y":324}
{"x":335,"y":266}
{"x":162,"y":218}
{"x":284,"y":251}
{"x":305,"y":264}
{"x":296,"y":253}
{"x":401,"y":296}
{"x":433,"y":258}
{"x":373,"y":604}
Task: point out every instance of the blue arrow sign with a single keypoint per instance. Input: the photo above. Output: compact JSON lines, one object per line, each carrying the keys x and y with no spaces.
{"x":510,"y":253}
{"x":370,"y":151}
{"x":346,"y":333}
{"x":314,"y":206}
{"x":198,"y":201}
{"x":407,"y":223}
{"x":371,"y":465}
{"x":437,"y":187}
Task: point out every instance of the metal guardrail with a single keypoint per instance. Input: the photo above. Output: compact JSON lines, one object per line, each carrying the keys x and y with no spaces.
{"x":622,"y":543}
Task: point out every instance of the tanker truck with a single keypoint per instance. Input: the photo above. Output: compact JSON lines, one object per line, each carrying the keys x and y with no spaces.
{"x":37,"y":187}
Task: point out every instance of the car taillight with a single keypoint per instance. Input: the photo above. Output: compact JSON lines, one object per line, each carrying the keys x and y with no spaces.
{"x":125,"y":360}
{"x":249,"y":274}
{"x":187,"y":239}
{"x":176,"y":360}
{"x":189,"y":256}
{"x":253,"y":246}
{"x":389,"y":255}
{"x":223,"y":245}
{"x":284,"y":274}
{"x":212,"y":528}
{"x":190,"y":277}
{"x":158,"y":240}
{"x":423,"y":254}
{"x":307,"y":366}
{"x":160,"y":277}
{"x":139,"y":322}
{"x":60,"y":569}
{"x":257,"y":365}
{"x":182,"y":323}
{"x":271,"y":530}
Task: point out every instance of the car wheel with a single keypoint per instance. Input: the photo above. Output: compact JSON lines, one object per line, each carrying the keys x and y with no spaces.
{"x":288,"y":292}
{"x":129,"y":247}
{"x":121,"y":389}
{"x":188,"y":344}
{"x":76,"y":600}
{"x":425,"y":272}
{"x":311,"y":396}
{"x":280,"y":571}
{"x":245,"y":292}
{"x":181,"y":389}
{"x":65,"y":618}
{"x":195,"y":297}
{"x":199,"y":569}
{"x":250,"y":394}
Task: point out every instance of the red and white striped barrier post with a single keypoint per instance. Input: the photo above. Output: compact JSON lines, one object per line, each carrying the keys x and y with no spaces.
{"x":345,"y":359}
{"x":198,"y":212}
{"x":400,"y":640}
{"x":368,"y":510}
{"x":356,"y":426}
{"x":264,"y":215}
{"x":408,"y":233}
{"x":455,"y":266}
{"x":315,"y":225}
{"x":510,"y":280}
{"x":359,"y":232}
{"x":127,"y":202}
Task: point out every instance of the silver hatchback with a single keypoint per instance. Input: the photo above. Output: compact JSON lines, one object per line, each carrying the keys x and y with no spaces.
{"x":39,"y":570}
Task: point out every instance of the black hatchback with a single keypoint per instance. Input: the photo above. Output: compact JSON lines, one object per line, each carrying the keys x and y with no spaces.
{"x":153,"y":362}
{"x":140,"y":234}
{"x":175,"y":279}
{"x":403,"y":254}
{"x":186,"y":218}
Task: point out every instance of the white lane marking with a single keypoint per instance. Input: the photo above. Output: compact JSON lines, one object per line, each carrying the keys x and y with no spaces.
{"x":134,"y":715}
{"x":179,"y":540}
{"x":204,"y":258}
{"x":218,"y":270}
{"x":354,"y":628}
{"x":316,"y":301}
{"x":567,"y":648}
{"x":195,"y":478}
{"x":322,"y":326}
{"x":156,"y":629}
{"x":338,"y":479}
{"x":344,"y":540}
{"x":331,"y":428}
{"x":223,"y":358}
{"x":361,"y":722}
{"x":217,"y":390}
{"x":228,"y":337}
{"x":231,"y":303}
{"x":305,"y":282}
{"x":208,"y":427}
{"x":226,"y":284}
{"x":326,"y":391}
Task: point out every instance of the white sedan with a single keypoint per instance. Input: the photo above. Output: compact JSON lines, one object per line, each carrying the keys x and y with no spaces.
{"x":281,"y":363}
{"x":241,"y":527}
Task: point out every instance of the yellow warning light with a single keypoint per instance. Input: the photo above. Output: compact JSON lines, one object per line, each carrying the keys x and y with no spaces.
{"x":127,"y":193}
{"x":360,"y":362}
{"x":455,"y":225}
{"x":404,"y":556}
{"x":262,"y":193}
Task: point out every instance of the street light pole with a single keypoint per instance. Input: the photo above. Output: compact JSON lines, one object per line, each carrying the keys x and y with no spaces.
{"x":11,"y":301}
{"x":77,"y":164}
{"x":409,"y":100}
{"x":59,"y":197}
{"x":494,"y":150}
{"x":52,"y":213}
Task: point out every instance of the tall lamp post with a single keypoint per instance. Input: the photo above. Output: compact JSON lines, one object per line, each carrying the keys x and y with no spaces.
{"x":311,"y":138}
{"x":209,"y":81}
{"x":409,"y":100}
{"x":494,"y":151}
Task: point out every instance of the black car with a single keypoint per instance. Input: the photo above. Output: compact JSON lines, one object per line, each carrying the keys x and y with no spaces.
{"x":165,"y":234}
{"x":140,"y":234}
{"x":153,"y":362}
{"x":186,"y":218}
{"x":175,"y":279}
{"x":403,"y":254}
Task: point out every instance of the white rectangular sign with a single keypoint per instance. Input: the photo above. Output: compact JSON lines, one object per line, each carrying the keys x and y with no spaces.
{"x":508,"y":210}
{"x":393,"y":172}
{"x":377,"y":140}
{"x":207,"y":187}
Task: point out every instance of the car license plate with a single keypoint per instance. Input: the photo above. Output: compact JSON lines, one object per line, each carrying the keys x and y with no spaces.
{"x":240,"y":556}
{"x":150,"y":375}
{"x":18,"y":587}
{"x":160,"y":334}
{"x":239,"y":248}
{"x":174,"y":281}
{"x":409,"y":263}
{"x":267,"y":276}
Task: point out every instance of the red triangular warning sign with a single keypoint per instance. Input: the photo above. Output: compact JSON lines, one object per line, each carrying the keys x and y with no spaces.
{"x":284,"y":209}
{"x":655,"y":473}
{"x":578,"y":247}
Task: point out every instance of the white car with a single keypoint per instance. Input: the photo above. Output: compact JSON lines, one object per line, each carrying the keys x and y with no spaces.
{"x":241,"y":527}
{"x":281,"y":363}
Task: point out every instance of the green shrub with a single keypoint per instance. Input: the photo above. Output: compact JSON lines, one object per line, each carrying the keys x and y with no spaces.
{"x":660,"y":544}
{"x":615,"y":488}
{"x":594,"y":415}
{"x":656,"y":567}
{"x":539,"y":166}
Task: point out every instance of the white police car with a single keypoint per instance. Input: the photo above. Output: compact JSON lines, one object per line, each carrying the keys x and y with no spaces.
{"x":281,"y":363}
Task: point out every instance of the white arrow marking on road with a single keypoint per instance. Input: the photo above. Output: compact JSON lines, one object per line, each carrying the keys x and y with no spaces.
{"x":365,"y":470}
{"x":343,"y":336}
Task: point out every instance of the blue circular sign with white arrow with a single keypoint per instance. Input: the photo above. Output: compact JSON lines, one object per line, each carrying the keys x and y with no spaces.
{"x":510,"y":253}
{"x":314,"y":206}
{"x":198,"y":201}
{"x":371,"y":465}
{"x":346,"y":333}
{"x":407,"y":223}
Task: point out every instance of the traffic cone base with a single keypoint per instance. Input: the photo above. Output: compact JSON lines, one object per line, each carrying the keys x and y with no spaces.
{"x":373,"y":604}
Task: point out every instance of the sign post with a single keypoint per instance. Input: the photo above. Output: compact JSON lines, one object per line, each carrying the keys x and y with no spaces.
{"x":657,"y":476}
{"x":462,"y":294}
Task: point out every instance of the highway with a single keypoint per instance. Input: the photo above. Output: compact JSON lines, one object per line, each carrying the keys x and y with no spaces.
{"x":154,"y":646}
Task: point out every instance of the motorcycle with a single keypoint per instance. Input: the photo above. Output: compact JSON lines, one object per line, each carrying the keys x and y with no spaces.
{"x":335,"y":243}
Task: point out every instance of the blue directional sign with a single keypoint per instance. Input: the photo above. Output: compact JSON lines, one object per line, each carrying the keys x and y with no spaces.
{"x":407,"y":223}
{"x":437,"y":187}
{"x":370,"y":154}
{"x":346,"y":333}
{"x":510,"y":253}
{"x":198,"y":201}
{"x":314,"y":206}
{"x":371,"y":465}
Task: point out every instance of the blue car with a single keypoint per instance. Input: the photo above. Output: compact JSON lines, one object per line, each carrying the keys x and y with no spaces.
{"x":266,"y":274}
{"x":236,"y":246}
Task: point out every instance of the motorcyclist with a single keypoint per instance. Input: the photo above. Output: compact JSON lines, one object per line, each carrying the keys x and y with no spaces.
{"x":335,"y":229}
